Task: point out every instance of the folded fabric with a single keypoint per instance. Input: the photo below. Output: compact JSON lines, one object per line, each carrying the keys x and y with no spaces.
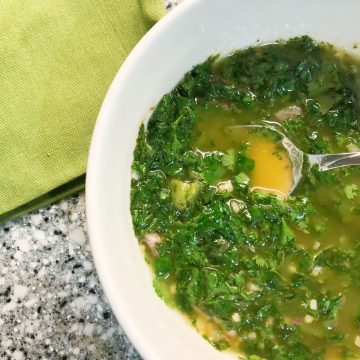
{"x":57,"y":59}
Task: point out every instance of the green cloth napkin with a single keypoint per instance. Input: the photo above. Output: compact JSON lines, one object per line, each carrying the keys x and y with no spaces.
{"x":57,"y":60}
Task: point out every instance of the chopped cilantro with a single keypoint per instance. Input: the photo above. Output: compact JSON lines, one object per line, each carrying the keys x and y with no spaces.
{"x":270,"y":272}
{"x":228,"y":159}
{"x":351,"y":191}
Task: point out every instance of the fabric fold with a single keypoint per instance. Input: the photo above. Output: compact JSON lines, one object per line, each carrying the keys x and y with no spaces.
{"x":58,"y":59}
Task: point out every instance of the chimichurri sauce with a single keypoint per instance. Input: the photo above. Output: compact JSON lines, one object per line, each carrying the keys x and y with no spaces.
{"x":258,"y":271}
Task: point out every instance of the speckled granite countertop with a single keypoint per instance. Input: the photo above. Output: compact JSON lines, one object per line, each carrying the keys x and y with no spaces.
{"x":51,"y":303}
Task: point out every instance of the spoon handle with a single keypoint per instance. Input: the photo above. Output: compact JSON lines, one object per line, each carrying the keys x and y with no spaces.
{"x":332,"y":161}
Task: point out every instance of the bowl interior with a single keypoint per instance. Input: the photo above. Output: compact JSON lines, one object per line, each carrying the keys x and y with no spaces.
{"x":185,"y":37}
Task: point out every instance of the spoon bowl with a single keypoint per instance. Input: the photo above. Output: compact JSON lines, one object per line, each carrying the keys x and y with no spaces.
{"x":323,"y":161}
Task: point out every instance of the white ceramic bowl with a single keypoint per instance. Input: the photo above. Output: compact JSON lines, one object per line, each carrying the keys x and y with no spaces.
{"x":185,"y":37}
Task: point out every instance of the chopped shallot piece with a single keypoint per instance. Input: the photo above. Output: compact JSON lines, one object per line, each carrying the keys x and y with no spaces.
{"x":235,"y":207}
{"x":225,"y":186}
{"x":152,"y":239}
{"x":290,"y":112}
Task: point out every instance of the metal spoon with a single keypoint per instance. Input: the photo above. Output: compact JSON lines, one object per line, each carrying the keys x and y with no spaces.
{"x":324,"y":161}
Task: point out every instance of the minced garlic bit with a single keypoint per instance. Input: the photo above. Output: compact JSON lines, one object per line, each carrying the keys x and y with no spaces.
{"x":316,"y":271}
{"x":316,"y":245}
{"x":135,"y":176}
{"x":357,"y":341}
{"x":235,"y":317}
{"x":232,"y":333}
{"x":308,"y":319}
{"x":252,"y":335}
{"x":152,"y":239}
{"x":313,"y":304}
{"x":225,"y":186}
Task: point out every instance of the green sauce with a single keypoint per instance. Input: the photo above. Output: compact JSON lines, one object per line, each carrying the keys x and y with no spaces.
{"x":266,"y":275}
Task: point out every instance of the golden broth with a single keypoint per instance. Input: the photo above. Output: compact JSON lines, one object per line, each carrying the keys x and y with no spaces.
{"x":273,"y":169}
{"x":219,"y":130}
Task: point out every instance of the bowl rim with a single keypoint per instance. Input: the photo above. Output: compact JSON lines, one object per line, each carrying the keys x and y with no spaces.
{"x":93,"y":161}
